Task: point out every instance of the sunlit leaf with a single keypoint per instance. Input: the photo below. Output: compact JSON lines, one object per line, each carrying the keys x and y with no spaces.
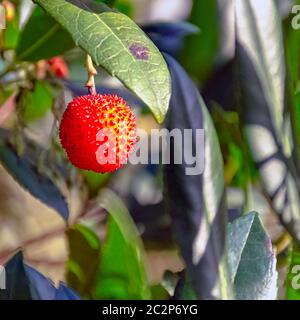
{"x":117,"y":44}
{"x":252,"y":259}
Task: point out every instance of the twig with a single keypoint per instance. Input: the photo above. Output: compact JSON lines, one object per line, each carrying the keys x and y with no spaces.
{"x":283,"y":242}
{"x":91,"y":75}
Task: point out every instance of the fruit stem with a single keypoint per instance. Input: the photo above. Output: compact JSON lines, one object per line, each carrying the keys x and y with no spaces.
{"x":90,"y":84}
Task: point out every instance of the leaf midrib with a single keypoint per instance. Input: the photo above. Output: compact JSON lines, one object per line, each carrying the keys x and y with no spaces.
{"x":37,"y":44}
{"x":125,"y":48}
{"x":244,"y":244}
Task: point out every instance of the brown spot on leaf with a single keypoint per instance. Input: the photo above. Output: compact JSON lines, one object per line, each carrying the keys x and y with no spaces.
{"x":139,"y":52}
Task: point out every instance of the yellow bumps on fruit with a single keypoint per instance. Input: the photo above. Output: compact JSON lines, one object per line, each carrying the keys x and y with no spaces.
{"x":98,"y":132}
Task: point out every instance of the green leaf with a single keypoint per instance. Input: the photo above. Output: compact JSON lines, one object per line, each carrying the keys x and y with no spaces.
{"x":11,"y":34}
{"x":124,"y":6}
{"x":42,"y":38}
{"x":292,"y":48}
{"x":116,"y":43}
{"x":252,"y":260}
{"x":293,"y":277}
{"x":200,"y":49}
{"x":36,"y":103}
{"x":122,"y":271}
{"x":95,"y":180}
{"x":84,"y":259}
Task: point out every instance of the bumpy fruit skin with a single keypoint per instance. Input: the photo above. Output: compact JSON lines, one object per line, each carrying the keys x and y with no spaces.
{"x":84,"y":127}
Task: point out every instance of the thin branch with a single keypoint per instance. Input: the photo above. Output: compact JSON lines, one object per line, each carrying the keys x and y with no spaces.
{"x":90,"y":84}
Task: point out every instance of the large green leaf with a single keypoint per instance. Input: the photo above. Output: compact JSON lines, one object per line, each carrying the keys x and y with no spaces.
{"x":116,"y":43}
{"x":252,"y":260}
{"x":42,"y":38}
{"x":122,"y":272}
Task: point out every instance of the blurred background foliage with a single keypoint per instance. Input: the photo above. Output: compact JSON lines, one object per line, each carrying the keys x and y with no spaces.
{"x":112,"y":236}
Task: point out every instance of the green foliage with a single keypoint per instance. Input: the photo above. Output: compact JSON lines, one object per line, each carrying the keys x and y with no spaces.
{"x":293,"y":280}
{"x":84,"y":259}
{"x":122,"y":272}
{"x":37,"y":102}
{"x":292,"y":57}
{"x":252,"y":260}
{"x":11,"y":34}
{"x":42,"y":43}
{"x":250,"y":114}
{"x":200,"y":49}
{"x":95,"y":181}
{"x":124,"y":50}
{"x":124,"y":6}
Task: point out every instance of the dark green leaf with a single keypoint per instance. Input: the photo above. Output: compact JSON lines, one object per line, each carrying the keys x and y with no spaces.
{"x":37,"y":102}
{"x":42,"y":38}
{"x":200,"y":49}
{"x":116,"y":43}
